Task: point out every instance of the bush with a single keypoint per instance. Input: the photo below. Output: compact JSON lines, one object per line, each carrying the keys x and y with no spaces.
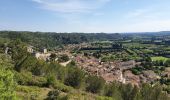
{"x":51,"y":80}
{"x":63,"y":58}
{"x":53,"y":57}
{"x":94,"y":84}
{"x":53,"y":95}
{"x":28,"y":92}
{"x":112,"y":90}
{"x":135,"y":71}
{"x":62,"y":87}
{"x":7,"y":85}
{"x":75,"y":77}
{"x":26,"y":78}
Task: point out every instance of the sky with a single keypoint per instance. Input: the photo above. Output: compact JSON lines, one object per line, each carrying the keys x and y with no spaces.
{"x":109,"y":16}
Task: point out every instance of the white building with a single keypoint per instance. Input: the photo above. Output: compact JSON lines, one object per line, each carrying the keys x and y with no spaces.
{"x":30,"y":49}
{"x":6,"y":50}
{"x":44,"y":50}
{"x":42,"y":56}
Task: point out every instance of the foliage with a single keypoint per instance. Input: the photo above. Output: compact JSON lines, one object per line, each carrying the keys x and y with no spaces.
{"x":153,"y":93}
{"x":112,"y":90}
{"x":63,"y":58}
{"x":51,"y":80}
{"x":6,"y":62}
{"x":62,"y":87}
{"x":53,"y":95}
{"x":31,"y":92}
{"x":53,"y":56}
{"x":167,"y":63}
{"x":26,"y":78}
{"x":29,"y":63}
{"x":7,"y":85}
{"x":17,"y":52}
{"x":75,"y":77}
{"x":48,"y":39}
{"x":94,"y":84}
{"x":159,"y":58}
{"x":7,"y":82}
{"x":137,"y":70}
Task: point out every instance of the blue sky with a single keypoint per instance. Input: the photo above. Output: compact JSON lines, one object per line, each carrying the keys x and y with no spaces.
{"x":85,"y":15}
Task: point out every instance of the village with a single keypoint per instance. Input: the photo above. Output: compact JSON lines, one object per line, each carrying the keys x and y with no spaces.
{"x":116,"y":70}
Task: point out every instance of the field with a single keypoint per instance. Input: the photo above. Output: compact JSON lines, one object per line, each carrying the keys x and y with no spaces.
{"x":159,"y":58}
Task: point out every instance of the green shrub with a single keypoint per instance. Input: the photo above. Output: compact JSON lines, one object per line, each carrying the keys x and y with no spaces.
{"x":51,"y":80}
{"x":26,"y":78}
{"x":28,"y":92}
{"x":53,"y":95}
{"x":7,"y":85}
{"x":63,"y":58}
{"x":112,"y":90}
{"x":28,"y":89}
{"x":62,"y":87}
{"x":94,"y":84}
{"x":75,"y":77}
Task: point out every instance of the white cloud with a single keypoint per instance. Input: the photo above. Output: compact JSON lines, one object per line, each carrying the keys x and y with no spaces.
{"x":138,"y":13}
{"x":71,"y":6}
{"x":144,"y":13}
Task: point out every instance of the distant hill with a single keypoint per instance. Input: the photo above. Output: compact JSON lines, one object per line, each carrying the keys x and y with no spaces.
{"x":51,"y":39}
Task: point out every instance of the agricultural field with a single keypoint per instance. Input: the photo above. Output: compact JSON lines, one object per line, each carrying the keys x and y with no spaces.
{"x":159,"y":58}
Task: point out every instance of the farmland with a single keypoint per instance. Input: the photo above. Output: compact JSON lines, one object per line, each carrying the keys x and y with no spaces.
{"x":159,"y":58}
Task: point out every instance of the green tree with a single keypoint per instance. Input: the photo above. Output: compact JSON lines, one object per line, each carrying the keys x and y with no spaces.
{"x":53,"y":56}
{"x":94,"y":84}
{"x":167,"y":63}
{"x":7,"y":84}
{"x":126,"y":91}
{"x":135,"y":94}
{"x":51,"y":79}
{"x":157,"y":93}
{"x":6,"y":62}
{"x":63,"y":58}
{"x":28,"y":64}
{"x":75,"y":77}
{"x":112,"y":90}
{"x":146,"y":91}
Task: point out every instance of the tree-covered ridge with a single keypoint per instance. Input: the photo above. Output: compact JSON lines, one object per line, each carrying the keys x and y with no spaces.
{"x":49,"y":39}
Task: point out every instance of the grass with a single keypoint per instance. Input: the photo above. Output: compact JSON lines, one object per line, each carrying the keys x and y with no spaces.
{"x":37,"y":93}
{"x":138,"y":45}
{"x":82,"y":95}
{"x":159,"y":58}
{"x":31,"y":92}
{"x":62,"y":87}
